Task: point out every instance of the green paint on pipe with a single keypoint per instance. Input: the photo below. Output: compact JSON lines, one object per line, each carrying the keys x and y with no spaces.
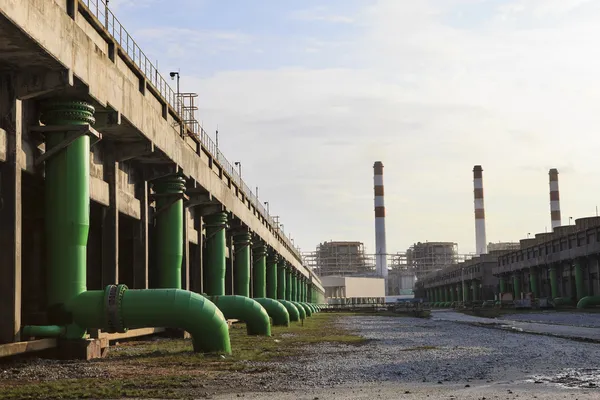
{"x":297,"y":283}
{"x":241,"y":244}
{"x":465,"y":289}
{"x":307,"y":309}
{"x":169,"y":230}
{"x":43,"y":331}
{"x":281,"y":281}
{"x":554,"y":282}
{"x":579,"y":281}
{"x":67,"y":225}
{"x":272,"y":276}
{"x":588,"y":301}
{"x":259,"y":253}
{"x":214,"y":270}
{"x":288,"y":283}
{"x":293,"y":298}
{"x":562,"y":301}
{"x":451,"y":294}
{"x":475,"y":289}
{"x":301,"y":310}
{"x":291,"y":309}
{"x":502,"y":280}
{"x":247,"y":310}
{"x":516,"y":286}
{"x":169,"y":308}
{"x":276,"y":310}
{"x":533,"y":282}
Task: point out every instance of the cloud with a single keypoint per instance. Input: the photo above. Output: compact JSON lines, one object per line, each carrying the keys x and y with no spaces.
{"x":320,"y":14}
{"x":431,"y":88}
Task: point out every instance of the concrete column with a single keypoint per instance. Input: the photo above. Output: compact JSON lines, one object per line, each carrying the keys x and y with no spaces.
{"x":10,"y":214}
{"x":140,"y":240}
{"x":110,"y":220}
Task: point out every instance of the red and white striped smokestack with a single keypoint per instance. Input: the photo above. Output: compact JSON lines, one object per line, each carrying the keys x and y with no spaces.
{"x":480,"y":239}
{"x":554,"y":199}
{"x":380,"y":252}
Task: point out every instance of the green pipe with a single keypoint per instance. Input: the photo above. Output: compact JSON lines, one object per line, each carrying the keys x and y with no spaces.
{"x":272,"y":276}
{"x":276,"y":310}
{"x":43,"y":331}
{"x":451,"y":294}
{"x":554,"y":281}
{"x":291,"y":309}
{"x":293,"y":297}
{"x":281,"y":282}
{"x":301,"y":309}
{"x":67,"y":203}
{"x":241,"y":244}
{"x":169,"y":308}
{"x":588,"y":302}
{"x":214,"y":271}
{"x":288,"y":283}
{"x":297,"y":283}
{"x":533,"y":282}
{"x":563,"y":301}
{"x":502,"y":280}
{"x":233,"y":307}
{"x":245,"y":309}
{"x":517,"y":286}
{"x":259,"y":253}
{"x":465,"y":288}
{"x":307,"y":309}
{"x":169,"y":230}
{"x":304,"y":295}
{"x":579,"y":281}
{"x":475,"y":289}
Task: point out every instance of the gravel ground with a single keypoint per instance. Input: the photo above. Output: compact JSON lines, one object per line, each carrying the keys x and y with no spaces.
{"x":427,"y":354}
{"x":575,"y":319}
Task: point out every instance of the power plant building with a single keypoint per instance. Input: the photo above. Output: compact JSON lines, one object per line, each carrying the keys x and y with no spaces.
{"x":340,"y":258}
{"x":424,"y":258}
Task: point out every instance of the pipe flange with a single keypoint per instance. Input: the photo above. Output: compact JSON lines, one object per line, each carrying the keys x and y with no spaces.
{"x":113,"y":298}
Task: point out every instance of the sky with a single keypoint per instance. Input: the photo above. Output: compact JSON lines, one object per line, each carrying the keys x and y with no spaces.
{"x":307,"y":95}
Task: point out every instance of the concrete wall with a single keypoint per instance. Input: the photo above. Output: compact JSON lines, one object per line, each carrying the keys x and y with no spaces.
{"x":339,"y":286}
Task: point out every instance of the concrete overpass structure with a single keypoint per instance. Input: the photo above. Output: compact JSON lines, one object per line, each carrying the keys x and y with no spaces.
{"x":144,"y":132}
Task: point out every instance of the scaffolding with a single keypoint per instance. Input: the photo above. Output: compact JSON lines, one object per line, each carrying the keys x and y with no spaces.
{"x":340,"y":259}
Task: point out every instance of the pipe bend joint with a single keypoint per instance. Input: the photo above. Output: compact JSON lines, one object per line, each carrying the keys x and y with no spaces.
{"x":588,"y":301}
{"x":291,"y":309}
{"x":300,"y":309}
{"x":277,"y":311}
{"x":247,"y":310}
{"x":307,"y":309}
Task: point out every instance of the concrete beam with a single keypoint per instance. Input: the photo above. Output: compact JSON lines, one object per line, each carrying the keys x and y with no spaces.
{"x":32,"y":84}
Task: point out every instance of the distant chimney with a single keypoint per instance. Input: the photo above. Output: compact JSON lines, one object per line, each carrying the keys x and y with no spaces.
{"x":554,"y":199}
{"x":480,"y":240}
{"x":380,"y":251}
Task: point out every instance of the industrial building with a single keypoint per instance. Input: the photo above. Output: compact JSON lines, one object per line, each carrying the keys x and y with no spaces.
{"x":353,"y":287}
{"x":118,"y":214}
{"x":425,"y":258}
{"x":340,"y":258}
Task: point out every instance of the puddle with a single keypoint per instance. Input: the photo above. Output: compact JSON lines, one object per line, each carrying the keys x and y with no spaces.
{"x":571,"y":378}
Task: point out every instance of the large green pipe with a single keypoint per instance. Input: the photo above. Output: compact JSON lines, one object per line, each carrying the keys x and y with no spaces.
{"x":451,"y":293}
{"x":233,"y":307}
{"x":533,"y":282}
{"x":554,"y":281}
{"x":294,"y":287}
{"x":276,"y":310}
{"x":214,"y":271}
{"x":43,"y":331}
{"x":259,"y":253}
{"x":288,"y":283}
{"x":272,"y":276}
{"x":169,"y":308}
{"x":517,"y":286}
{"x":301,"y":309}
{"x":169,"y":230}
{"x":307,"y":309}
{"x":502,"y":280}
{"x":291,"y":309}
{"x":67,"y":226}
{"x":588,"y":302}
{"x":241,"y":244}
{"x":245,"y":309}
{"x":281,"y":283}
{"x":475,"y":289}
{"x":579,"y":281}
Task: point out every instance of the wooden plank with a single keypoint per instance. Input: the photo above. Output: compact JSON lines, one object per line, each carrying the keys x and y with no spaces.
{"x":12,"y":349}
{"x":132,"y":333}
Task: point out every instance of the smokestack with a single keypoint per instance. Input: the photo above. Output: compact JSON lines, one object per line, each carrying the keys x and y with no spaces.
{"x":381,"y":252}
{"x":480,"y":240}
{"x":554,"y":199}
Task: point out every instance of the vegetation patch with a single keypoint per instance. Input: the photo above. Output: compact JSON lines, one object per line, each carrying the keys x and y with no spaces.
{"x":168,"y":368}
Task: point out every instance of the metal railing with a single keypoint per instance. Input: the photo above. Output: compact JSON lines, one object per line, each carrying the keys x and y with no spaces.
{"x":105,"y":16}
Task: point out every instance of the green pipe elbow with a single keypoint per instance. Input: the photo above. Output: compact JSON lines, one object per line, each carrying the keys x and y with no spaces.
{"x":301,"y":309}
{"x":291,"y":309}
{"x":276,"y":311}
{"x":117,"y":309}
{"x":588,"y":301}
{"x":43,"y":331}
{"x":247,"y":310}
{"x":307,"y":309}
{"x":563,"y":301}
{"x":312,"y":307}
